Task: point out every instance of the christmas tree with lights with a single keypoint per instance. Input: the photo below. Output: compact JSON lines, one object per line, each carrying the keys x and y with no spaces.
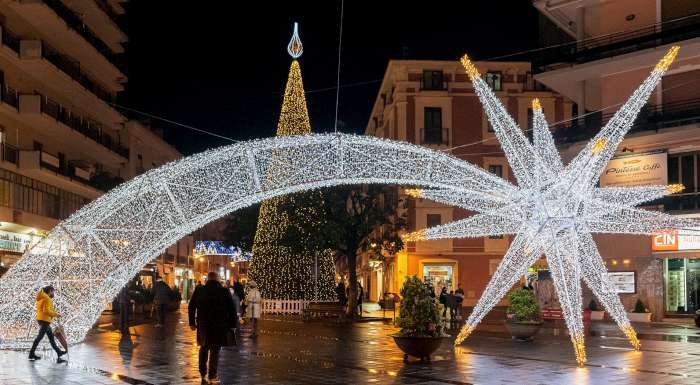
{"x":288,"y":259}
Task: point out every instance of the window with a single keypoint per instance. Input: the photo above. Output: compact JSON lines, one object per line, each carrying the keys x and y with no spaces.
{"x":496,"y":169}
{"x":432,"y":80}
{"x":432,"y":117}
{"x":684,"y":169}
{"x":489,"y":127}
{"x":433,"y":220}
{"x":493,"y":79}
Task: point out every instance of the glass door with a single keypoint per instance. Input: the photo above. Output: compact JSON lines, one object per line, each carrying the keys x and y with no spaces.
{"x":693,"y":285}
{"x":675,"y":288}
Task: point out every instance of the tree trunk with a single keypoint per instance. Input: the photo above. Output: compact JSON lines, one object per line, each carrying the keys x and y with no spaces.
{"x":352,"y":284}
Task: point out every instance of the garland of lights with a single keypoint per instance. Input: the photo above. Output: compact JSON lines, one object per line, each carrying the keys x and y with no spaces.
{"x":556,"y":209}
{"x":281,"y":270}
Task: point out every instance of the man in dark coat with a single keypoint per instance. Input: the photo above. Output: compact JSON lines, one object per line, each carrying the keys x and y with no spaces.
{"x":212,"y":313}
{"x":125,"y":301}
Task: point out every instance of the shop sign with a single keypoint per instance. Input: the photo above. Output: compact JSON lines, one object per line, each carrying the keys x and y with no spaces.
{"x":676,"y":240}
{"x":14,"y":242}
{"x":638,"y":170}
{"x":624,"y":281}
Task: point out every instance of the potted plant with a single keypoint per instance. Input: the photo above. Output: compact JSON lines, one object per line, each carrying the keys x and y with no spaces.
{"x":419,"y":319}
{"x":640,"y":313}
{"x":523,"y":313}
{"x":596,"y":315}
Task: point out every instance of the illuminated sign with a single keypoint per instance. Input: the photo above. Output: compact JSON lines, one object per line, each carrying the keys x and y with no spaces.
{"x":676,"y":240}
{"x":638,"y":170}
{"x":218,"y":248}
{"x":15,"y":242}
{"x":623,"y":281}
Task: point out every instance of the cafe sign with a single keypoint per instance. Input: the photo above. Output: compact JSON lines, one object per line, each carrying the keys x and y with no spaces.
{"x":638,"y":170}
{"x":14,"y":242}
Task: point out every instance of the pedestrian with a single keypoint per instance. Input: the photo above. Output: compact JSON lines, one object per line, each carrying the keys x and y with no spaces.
{"x":44,"y":315}
{"x":161,"y":297}
{"x":360,"y":297}
{"x":432,"y":292}
{"x":239,"y":289}
{"x":254,"y":301}
{"x":443,"y":301}
{"x":451,"y":303}
{"x":460,"y":298}
{"x":125,"y":301}
{"x":211,"y":313}
{"x":340,"y":292}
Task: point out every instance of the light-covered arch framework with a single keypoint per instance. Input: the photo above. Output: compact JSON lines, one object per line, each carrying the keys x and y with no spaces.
{"x":92,"y":254}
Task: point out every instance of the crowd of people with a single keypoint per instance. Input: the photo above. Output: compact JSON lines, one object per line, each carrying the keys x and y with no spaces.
{"x":343,"y":293}
{"x":451,"y":301}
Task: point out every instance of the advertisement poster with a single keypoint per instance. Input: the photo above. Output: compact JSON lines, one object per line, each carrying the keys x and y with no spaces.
{"x":623,"y":281}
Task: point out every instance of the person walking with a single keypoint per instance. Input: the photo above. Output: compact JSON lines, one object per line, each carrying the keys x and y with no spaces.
{"x":340,"y":292}
{"x":161,"y":297}
{"x":460,"y":298}
{"x":211,"y":313}
{"x":125,"y":301}
{"x":254,"y":301}
{"x":44,"y":315}
{"x":360,"y":297}
{"x":443,"y":301}
{"x":451,"y":303}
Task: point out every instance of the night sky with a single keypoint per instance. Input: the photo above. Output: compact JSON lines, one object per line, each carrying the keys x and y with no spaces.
{"x":222,"y":66}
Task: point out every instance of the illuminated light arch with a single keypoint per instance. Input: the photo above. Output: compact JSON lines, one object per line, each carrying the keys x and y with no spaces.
{"x":92,"y":254}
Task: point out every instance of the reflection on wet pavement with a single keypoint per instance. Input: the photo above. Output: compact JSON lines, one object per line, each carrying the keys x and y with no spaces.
{"x":289,"y":351}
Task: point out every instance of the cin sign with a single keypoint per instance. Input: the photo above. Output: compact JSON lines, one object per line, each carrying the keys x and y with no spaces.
{"x":674,"y":240}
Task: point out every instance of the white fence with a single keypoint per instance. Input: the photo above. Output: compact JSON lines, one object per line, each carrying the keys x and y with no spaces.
{"x":285,"y":306}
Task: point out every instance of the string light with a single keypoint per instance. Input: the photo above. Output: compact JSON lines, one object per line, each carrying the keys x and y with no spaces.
{"x":282,"y":271}
{"x":556,"y":208}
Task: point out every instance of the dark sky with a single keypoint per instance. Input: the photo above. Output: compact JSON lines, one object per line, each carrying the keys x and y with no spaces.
{"x":222,"y":66}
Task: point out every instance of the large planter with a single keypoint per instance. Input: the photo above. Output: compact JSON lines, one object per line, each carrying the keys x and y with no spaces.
{"x":597,"y":315}
{"x":523,"y":331}
{"x":639,"y":317}
{"x":420,"y":347}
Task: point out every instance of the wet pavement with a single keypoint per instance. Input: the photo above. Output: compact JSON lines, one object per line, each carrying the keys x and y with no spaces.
{"x":289,"y":351}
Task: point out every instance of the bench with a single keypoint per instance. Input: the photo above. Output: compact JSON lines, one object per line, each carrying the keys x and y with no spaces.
{"x":321,"y":309}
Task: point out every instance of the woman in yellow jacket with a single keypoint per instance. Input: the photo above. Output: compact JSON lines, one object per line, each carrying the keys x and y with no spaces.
{"x":44,"y":315}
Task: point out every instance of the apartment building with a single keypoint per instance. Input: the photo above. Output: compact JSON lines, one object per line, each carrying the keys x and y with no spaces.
{"x":433,"y":104}
{"x":613,"y":46}
{"x":62,"y":141}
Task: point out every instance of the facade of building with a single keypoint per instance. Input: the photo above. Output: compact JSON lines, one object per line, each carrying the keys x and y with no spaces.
{"x":432,"y":103}
{"x":614,"y":46}
{"x":62,"y":142}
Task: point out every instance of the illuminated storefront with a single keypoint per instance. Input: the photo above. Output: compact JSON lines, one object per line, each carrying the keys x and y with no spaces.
{"x":681,"y":256}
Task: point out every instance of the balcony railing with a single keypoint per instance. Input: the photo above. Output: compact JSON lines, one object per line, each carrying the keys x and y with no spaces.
{"x":688,"y":200}
{"x":10,"y":40}
{"x":614,"y":44}
{"x":434,"y":136}
{"x":433,"y":85}
{"x":9,"y":153}
{"x":650,"y":118}
{"x":106,"y":8}
{"x":76,"y":23}
{"x":9,"y":96}
{"x":84,"y":125}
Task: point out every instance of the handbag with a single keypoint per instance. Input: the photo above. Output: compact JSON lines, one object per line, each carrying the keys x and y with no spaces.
{"x":60,"y":336}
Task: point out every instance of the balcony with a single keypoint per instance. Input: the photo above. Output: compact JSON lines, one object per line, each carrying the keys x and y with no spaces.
{"x":76,"y":23}
{"x":434,"y":136}
{"x":616,"y":44}
{"x":9,"y":153}
{"x":71,"y":68}
{"x":65,"y":175}
{"x":688,"y":200}
{"x":651,"y":118}
{"x":433,"y":85}
{"x":81,"y":124}
{"x":9,"y":96}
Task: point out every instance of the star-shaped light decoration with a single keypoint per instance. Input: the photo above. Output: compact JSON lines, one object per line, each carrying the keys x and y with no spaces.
{"x":555,"y":209}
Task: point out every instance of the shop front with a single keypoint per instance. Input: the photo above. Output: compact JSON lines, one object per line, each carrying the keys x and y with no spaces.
{"x":14,"y":241}
{"x":680,"y":251}
{"x":440,"y":274}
